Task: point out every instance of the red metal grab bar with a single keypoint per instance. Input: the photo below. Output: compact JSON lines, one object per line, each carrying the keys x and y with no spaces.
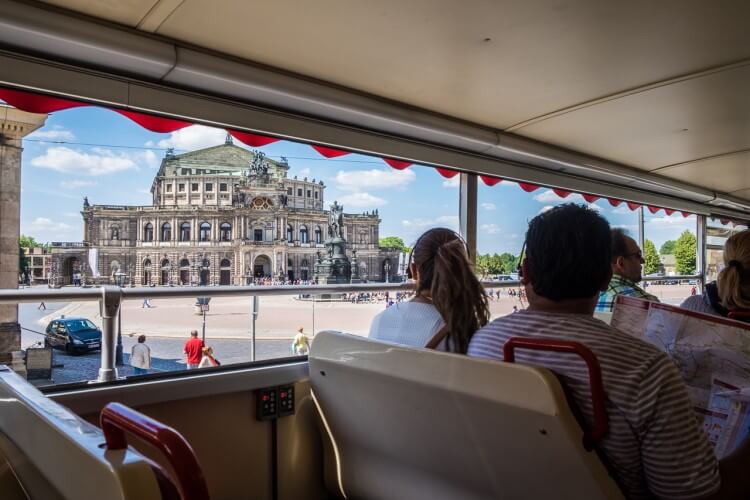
{"x":116,"y":420}
{"x":601,"y":419}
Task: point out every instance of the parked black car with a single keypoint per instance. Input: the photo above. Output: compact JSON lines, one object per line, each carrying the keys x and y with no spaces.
{"x":73,"y":334}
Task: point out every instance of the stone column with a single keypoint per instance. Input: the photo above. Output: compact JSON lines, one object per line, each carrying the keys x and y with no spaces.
{"x":14,"y":125}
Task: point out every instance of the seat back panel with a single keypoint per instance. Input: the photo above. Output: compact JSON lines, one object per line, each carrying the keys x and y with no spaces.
{"x":412,"y":423}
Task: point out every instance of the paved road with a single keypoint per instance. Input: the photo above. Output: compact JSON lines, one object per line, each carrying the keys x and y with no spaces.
{"x":166,"y":353}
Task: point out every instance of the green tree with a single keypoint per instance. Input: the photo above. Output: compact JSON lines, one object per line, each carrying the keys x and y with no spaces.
{"x":650,"y":257}
{"x":393,"y":242}
{"x":685,"y":250}
{"x":509,"y":263}
{"x":668,"y":247}
{"x":27,"y":242}
{"x":23,"y":261}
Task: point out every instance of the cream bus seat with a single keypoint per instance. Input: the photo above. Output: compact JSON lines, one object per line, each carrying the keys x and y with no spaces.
{"x":419,"y":424}
{"x":54,"y":454}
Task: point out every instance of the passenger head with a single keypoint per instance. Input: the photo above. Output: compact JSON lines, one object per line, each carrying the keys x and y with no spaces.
{"x":141,"y":339}
{"x":194,"y":333}
{"x":626,"y":256}
{"x":208,"y":350}
{"x":734,"y":280}
{"x":441,"y":267}
{"x":568,"y":256}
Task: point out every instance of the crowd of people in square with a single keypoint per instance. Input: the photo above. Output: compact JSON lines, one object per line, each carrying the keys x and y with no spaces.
{"x":574,"y":265}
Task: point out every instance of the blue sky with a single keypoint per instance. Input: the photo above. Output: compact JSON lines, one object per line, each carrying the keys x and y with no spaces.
{"x":74,"y":155}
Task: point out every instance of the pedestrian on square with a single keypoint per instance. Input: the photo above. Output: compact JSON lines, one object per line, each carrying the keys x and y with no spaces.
{"x":300,"y":344}
{"x":193,"y":350}
{"x":146,"y":303}
{"x":140,"y":357}
{"x":208,"y":360}
{"x":42,"y":306}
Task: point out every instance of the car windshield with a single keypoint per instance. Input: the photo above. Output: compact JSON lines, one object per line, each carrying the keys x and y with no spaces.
{"x":79,"y":324}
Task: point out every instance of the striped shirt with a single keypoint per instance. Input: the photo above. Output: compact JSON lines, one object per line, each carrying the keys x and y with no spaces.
{"x":655,"y":446}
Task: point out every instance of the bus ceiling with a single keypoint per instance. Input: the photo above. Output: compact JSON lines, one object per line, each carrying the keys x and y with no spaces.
{"x":634,"y":101}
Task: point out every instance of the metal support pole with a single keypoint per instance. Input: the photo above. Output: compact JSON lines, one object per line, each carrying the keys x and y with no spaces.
{"x":641,"y":229}
{"x":109,"y":308}
{"x":118,"y":349}
{"x":700,"y":258}
{"x":467,"y":213}
{"x":255,"y":316}
{"x":204,"y":324}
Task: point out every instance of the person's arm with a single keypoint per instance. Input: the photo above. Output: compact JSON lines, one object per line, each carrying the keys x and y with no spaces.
{"x":735,"y":481}
{"x":677,"y":458}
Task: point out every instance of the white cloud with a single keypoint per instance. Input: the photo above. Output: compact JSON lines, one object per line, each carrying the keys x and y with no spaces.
{"x":45,"y":224}
{"x":56,"y":133}
{"x":305,"y":172}
{"x":622,"y":209}
{"x":488,"y":206}
{"x":449,"y":221}
{"x":547,"y":196}
{"x":361,"y":200}
{"x":74,"y":184}
{"x":594,"y":206}
{"x":357,"y":180}
{"x":453,"y":182}
{"x":490,"y":228}
{"x":672,"y":221}
{"x":545,"y":208}
{"x":99,"y":162}
{"x":194,"y":137}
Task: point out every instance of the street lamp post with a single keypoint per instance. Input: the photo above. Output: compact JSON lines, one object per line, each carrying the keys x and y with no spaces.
{"x":387,"y":269}
{"x":119,"y":281}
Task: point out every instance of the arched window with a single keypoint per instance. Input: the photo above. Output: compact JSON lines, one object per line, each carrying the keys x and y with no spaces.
{"x":184,"y":264}
{"x":185,"y":231}
{"x":146,"y":279}
{"x":114,"y":232}
{"x":205,"y":232}
{"x":225,"y":263}
{"x":289,"y":233}
{"x":318,"y":235}
{"x":225,"y":230}
{"x":303,"y":234}
{"x":166,"y":232}
{"x":148,"y":232}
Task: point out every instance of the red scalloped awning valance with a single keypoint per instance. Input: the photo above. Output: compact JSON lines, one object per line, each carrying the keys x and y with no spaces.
{"x":330,"y":152}
{"x":39,"y":103}
{"x":490,"y":181}
{"x":252,"y":140}
{"x":397,"y":164}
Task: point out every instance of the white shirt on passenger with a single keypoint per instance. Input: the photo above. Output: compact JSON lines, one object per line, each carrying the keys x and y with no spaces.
{"x":409,"y":323}
{"x":655,"y":445}
{"x":140,"y":356}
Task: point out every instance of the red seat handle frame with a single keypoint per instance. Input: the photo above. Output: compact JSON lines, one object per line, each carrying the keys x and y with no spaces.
{"x":117,"y":420}
{"x":601,"y":419}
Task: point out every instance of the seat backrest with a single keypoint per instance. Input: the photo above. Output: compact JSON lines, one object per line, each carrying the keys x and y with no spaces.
{"x":55,"y":454}
{"x":419,"y":424}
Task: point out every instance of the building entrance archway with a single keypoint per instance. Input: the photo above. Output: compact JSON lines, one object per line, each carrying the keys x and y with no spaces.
{"x":261,"y":267}
{"x":184,"y":272}
{"x":225,"y":272}
{"x":71,"y":265}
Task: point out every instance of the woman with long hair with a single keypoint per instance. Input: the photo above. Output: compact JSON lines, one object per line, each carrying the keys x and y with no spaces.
{"x":729,"y":295}
{"x":450,"y":303}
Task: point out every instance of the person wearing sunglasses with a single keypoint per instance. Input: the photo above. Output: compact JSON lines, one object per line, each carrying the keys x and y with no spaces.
{"x":627,"y":260}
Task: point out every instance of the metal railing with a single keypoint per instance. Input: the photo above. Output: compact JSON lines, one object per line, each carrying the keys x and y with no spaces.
{"x":110,"y":298}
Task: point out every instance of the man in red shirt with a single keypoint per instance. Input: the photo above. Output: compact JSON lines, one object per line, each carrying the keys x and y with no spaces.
{"x":193,"y":350}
